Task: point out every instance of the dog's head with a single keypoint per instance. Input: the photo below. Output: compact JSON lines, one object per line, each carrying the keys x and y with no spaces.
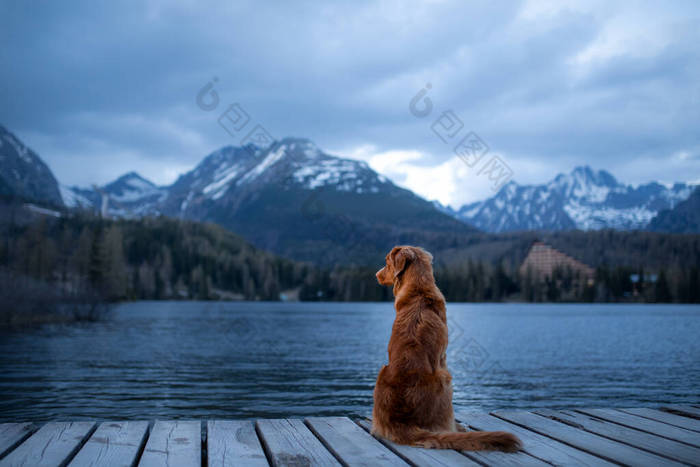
{"x":400,"y":260}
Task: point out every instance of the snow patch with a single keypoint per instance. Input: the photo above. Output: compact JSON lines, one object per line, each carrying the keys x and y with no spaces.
{"x":19,"y":148}
{"x":43,"y":211}
{"x":269,"y":160}
{"x":72,"y":199}
{"x":186,"y":202}
{"x":222,"y":178}
{"x":339,"y":172}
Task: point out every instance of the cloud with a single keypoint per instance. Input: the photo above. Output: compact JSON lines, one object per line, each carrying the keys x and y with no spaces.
{"x":100,"y":89}
{"x":451,"y":182}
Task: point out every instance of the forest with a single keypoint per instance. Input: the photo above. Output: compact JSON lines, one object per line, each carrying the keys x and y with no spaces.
{"x":83,"y":259}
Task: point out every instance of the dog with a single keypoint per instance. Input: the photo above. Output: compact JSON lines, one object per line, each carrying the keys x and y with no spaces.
{"x":413,"y":394}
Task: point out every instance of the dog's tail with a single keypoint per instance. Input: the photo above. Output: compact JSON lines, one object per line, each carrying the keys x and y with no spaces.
{"x":470,"y":441}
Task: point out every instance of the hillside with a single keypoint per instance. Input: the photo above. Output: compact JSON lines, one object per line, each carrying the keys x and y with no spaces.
{"x":155,"y":258}
{"x":78,"y":258}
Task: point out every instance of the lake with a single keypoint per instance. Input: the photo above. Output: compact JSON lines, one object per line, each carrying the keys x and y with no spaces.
{"x":245,"y":360}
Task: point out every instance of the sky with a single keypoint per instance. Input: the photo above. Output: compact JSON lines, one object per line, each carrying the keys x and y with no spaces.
{"x":98,"y":89}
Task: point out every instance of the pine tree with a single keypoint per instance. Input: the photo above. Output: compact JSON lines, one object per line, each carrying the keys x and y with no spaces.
{"x":662,"y":292}
{"x":114,"y":273}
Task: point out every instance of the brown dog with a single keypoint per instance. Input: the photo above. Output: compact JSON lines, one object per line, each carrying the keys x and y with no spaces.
{"x":413,"y":395}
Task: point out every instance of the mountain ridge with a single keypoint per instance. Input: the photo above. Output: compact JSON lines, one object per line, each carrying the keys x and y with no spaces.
{"x":302,"y":185}
{"x":584,"y":199}
{"x":291,"y":198}
{"x":299,"y":201}
{"x":682,"y":218}
{"x":24,"y":174}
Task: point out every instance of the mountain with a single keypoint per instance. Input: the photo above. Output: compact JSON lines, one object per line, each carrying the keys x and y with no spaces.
{"x":296,"y":200}
{"x":584,"y":199}
{"x":23,"y":174}
{"x":26,"y":177}
{"x":290,"y":198}
{"x":129,"y":196}
{"x":683,"y":218}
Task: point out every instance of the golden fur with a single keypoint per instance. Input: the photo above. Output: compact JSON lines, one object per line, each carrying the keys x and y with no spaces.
{"x":413,"y":394}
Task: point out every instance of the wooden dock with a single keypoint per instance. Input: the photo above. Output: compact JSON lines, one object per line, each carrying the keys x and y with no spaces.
{"x":665,"y":436}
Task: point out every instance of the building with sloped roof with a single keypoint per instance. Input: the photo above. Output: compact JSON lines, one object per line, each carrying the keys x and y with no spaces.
{"x":542,"y":260}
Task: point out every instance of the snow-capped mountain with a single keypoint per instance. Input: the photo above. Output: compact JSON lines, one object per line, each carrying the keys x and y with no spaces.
{"x":296,"y":200}
{"x":129,"y":196}
{"x":133,"y":195}
{"x":584,"y":199}
{"x":290,"y":198}
{"x":23,"y":174}
{"x":290,"y":163}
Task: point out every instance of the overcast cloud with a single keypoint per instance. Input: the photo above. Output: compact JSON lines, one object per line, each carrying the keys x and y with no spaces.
{"x":101,"y":88}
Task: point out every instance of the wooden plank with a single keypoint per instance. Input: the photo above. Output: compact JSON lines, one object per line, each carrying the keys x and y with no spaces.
{"x":233,"y":442}
{"x":173,"y":443}
{"x":671,"y":419}
{"x":497,"y":457}
{"x":534,"y":444}
{"x":422,"y":457}
{"x":645,"y":424}
{"x":12,"y":434}
{"x":290,"y":442}
{"x":683,"y":410}
{"x":351,"y":443}
{"x":583,"y":440}
{"x":639,"y":439}
{"x":504,"y":458}
{"x":113,"y":444}
{"x":54,"y":444}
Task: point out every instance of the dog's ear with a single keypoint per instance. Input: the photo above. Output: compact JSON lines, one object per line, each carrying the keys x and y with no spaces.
{"x":400,"y":259}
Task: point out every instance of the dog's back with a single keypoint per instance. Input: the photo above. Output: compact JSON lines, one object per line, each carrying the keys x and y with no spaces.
{"x":413,"y":394}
